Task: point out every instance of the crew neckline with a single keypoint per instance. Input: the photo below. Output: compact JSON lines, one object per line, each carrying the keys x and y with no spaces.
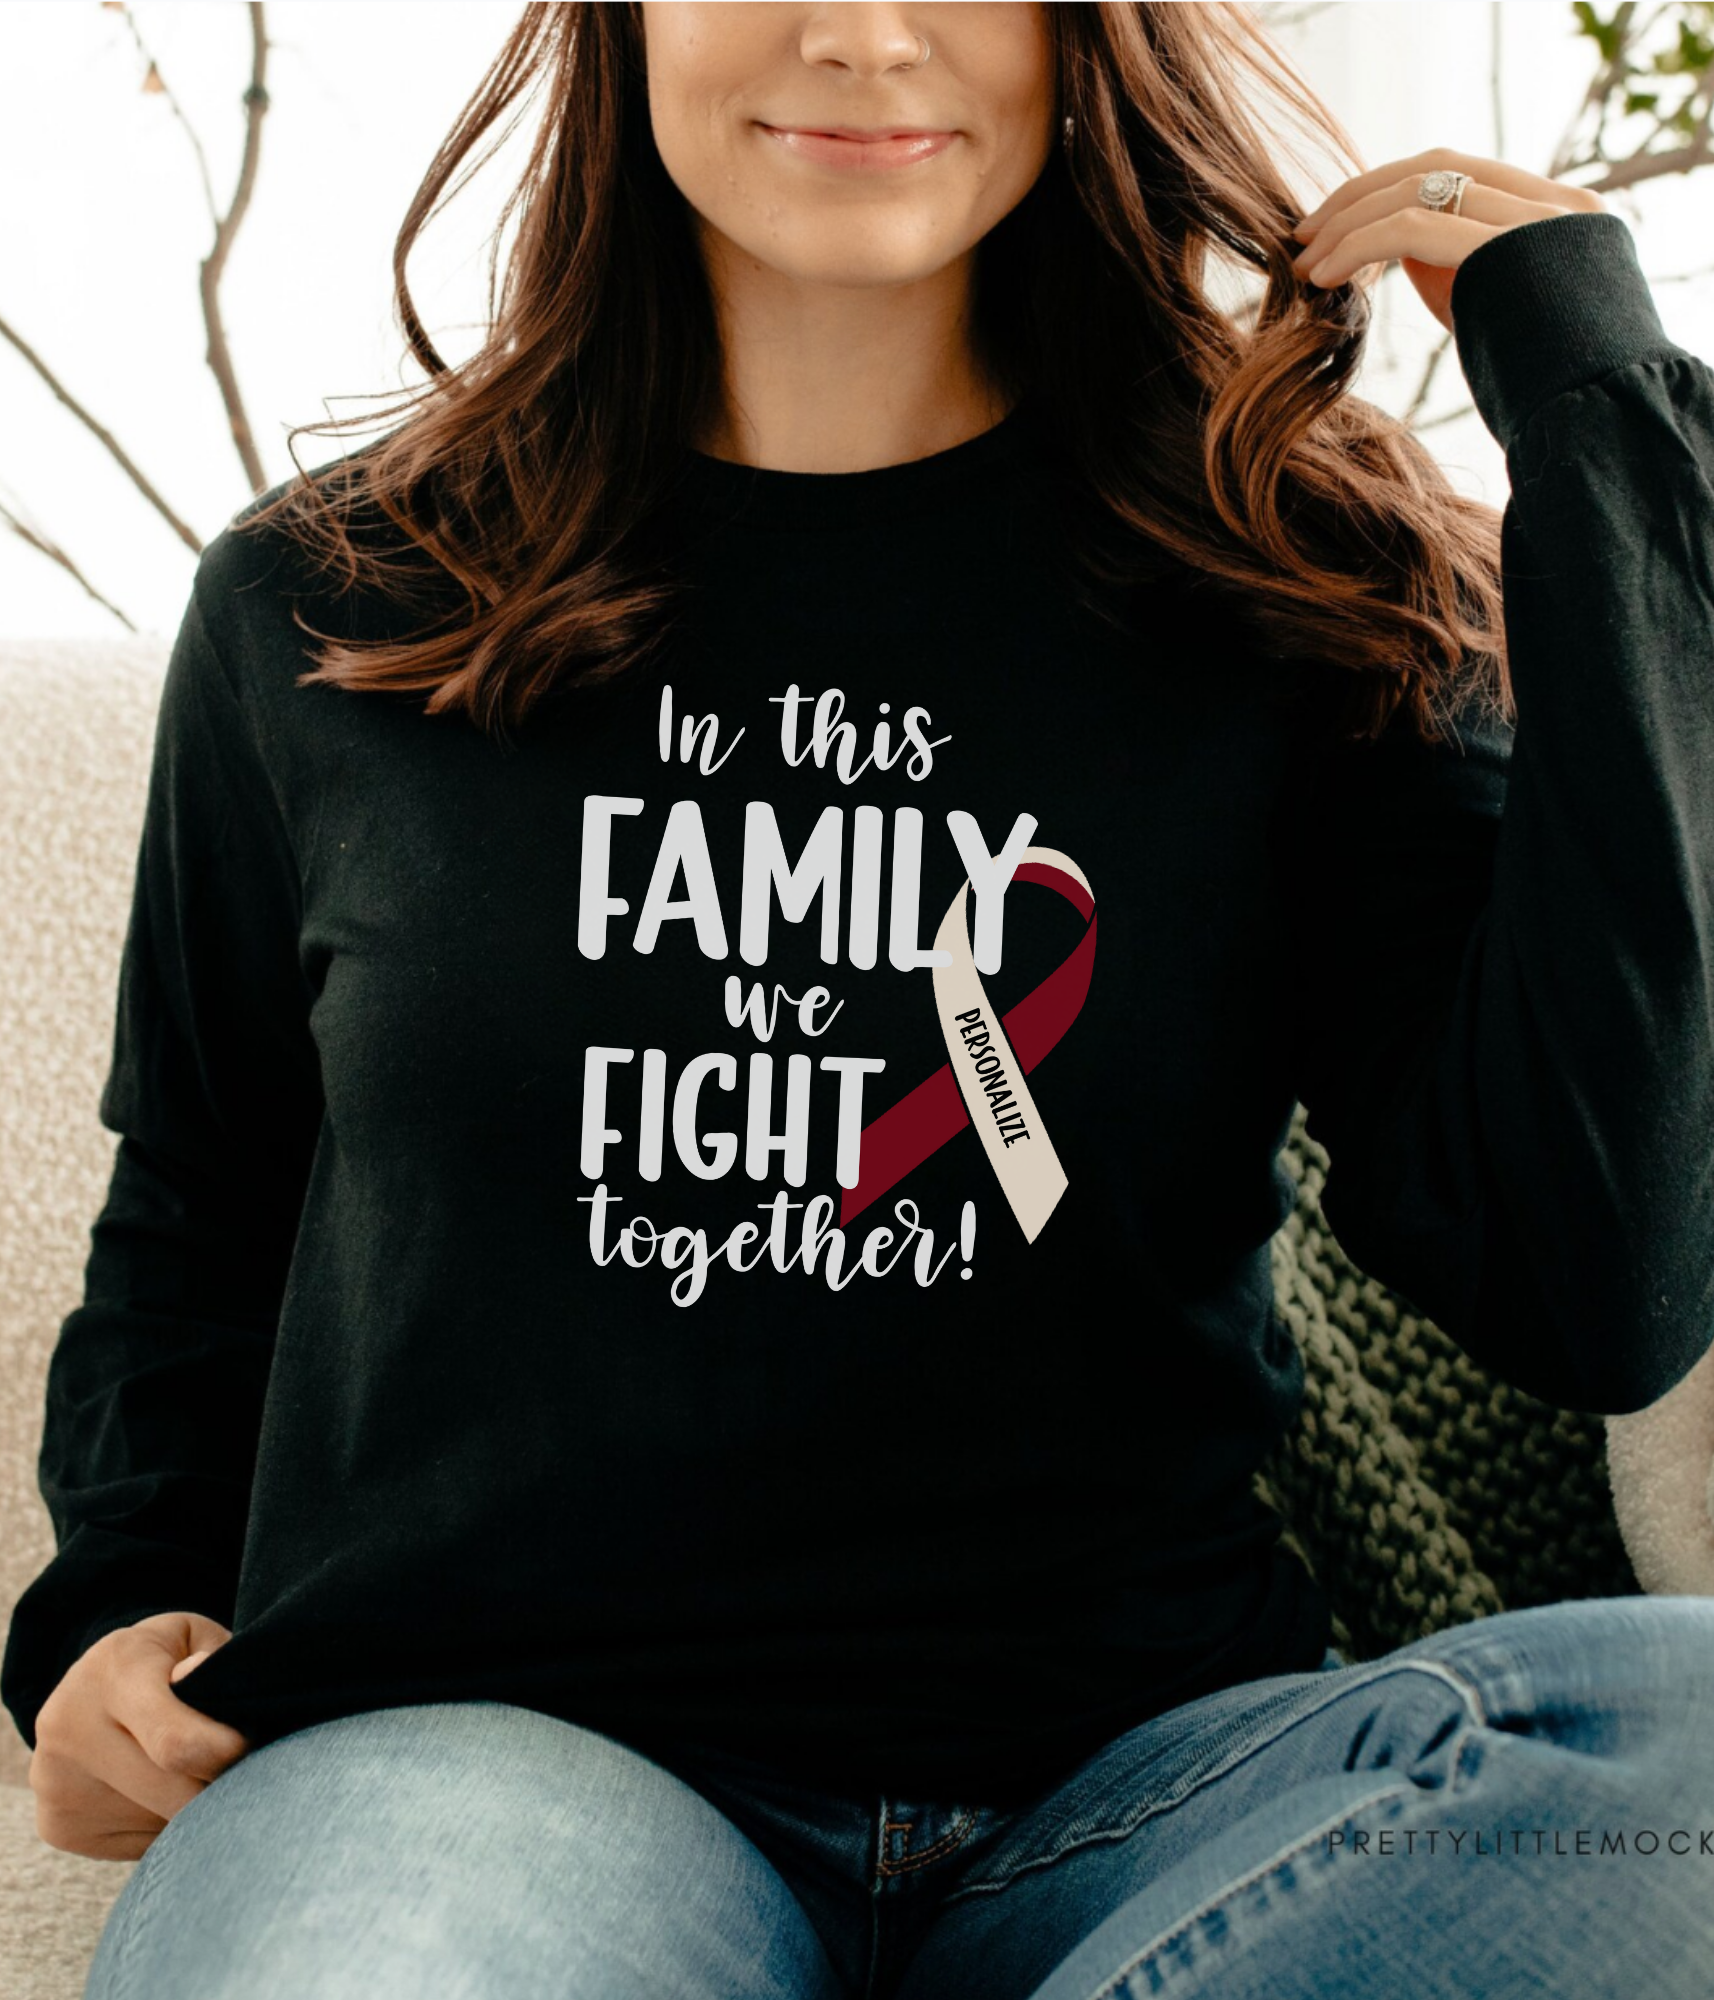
{"x":768,"y":496}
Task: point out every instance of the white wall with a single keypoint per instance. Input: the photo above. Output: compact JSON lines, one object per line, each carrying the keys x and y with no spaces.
{"x":102,"y":226}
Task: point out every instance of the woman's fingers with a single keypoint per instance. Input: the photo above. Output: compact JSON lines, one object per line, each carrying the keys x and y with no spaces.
{"x":155,"y":1748}
{"x":1481,"y":203}
{"x":1499,"y":176}
{"x":1422,"y":234}
{"x":1393,"y":222}
{"x":120,"y":1759}
{"x":118,"y":1752}
{"x":177,"y":1738}
{"x":82,"y":1813}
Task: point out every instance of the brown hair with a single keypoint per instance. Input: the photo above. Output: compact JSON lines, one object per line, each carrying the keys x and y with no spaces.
{"x":528,"y":479}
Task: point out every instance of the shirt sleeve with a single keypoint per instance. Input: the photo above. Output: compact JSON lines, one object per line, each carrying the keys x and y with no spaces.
{"x":156,"y":1382}
{"x":1505,"y":1037}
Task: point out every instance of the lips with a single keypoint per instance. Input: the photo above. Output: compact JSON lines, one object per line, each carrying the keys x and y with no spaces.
{"x":862,"y":133}
{"x":858,"y":148}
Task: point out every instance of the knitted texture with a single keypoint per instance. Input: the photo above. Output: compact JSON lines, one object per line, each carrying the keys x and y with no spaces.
{"x":1421,"y":1491}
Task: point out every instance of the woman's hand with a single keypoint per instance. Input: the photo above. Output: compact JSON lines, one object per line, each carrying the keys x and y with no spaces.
{"x":1375,"y":217}
{"x":117,"y":1753}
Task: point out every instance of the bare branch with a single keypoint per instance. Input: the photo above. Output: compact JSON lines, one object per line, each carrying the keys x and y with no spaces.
{"x":219,"y":354}
{"x":1609,"y":73}
{"x":166,"y":90}
{"x":1655,"y":166}
{"x":1633,"y":85}
{"x":44,"y":545}
{"x":1441,"y":349}
{"x":1621,"y":42}
{"x":104,"y":437}
{"x":1496,"y":101}
{"x":1276,"y":15}
{"x":1496,"y":77}
{"x":1445,"y":417}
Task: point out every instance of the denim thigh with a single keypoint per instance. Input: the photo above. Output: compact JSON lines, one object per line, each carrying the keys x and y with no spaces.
{"x":1254,"y":1842}
{"x":462,"y":1850}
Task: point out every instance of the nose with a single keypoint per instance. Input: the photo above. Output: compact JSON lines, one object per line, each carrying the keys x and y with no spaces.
{"x":868,"y":40}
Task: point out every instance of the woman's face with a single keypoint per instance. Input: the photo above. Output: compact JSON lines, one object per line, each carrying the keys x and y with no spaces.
{"x":747,"y":100}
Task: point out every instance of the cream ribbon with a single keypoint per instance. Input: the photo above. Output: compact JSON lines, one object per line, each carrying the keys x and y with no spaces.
{"x":1027,"y":1168}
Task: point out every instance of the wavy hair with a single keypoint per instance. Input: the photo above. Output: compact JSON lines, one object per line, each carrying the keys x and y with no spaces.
{"x":525,"y":486}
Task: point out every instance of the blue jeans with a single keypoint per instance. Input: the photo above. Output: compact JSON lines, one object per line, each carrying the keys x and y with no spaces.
{"x":1522,"y":1805}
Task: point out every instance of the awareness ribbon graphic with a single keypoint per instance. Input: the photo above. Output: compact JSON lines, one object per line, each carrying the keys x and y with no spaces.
{"x":960,"y":1093}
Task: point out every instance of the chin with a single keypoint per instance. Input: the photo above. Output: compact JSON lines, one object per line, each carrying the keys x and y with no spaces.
{"x":884,"y":257}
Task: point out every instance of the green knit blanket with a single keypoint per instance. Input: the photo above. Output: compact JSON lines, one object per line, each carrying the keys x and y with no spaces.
{"x":1421,"y":1491}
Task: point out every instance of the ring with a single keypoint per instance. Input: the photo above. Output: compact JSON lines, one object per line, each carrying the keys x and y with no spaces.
{"x":1443,"y":189}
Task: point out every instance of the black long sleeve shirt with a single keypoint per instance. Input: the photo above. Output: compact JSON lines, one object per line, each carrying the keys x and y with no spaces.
{"x":496,"y":1296}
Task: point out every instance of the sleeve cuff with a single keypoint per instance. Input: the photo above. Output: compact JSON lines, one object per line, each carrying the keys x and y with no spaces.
{"x":1548,"y":306}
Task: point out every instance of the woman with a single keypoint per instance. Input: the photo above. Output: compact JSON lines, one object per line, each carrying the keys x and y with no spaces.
{"x":750,"y":1489}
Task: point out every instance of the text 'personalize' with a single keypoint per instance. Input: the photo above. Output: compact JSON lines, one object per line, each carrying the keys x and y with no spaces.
{"x":995,"y":1084}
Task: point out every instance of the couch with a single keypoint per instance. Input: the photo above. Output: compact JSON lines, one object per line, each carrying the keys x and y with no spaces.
{"x":1422,"y":1492}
